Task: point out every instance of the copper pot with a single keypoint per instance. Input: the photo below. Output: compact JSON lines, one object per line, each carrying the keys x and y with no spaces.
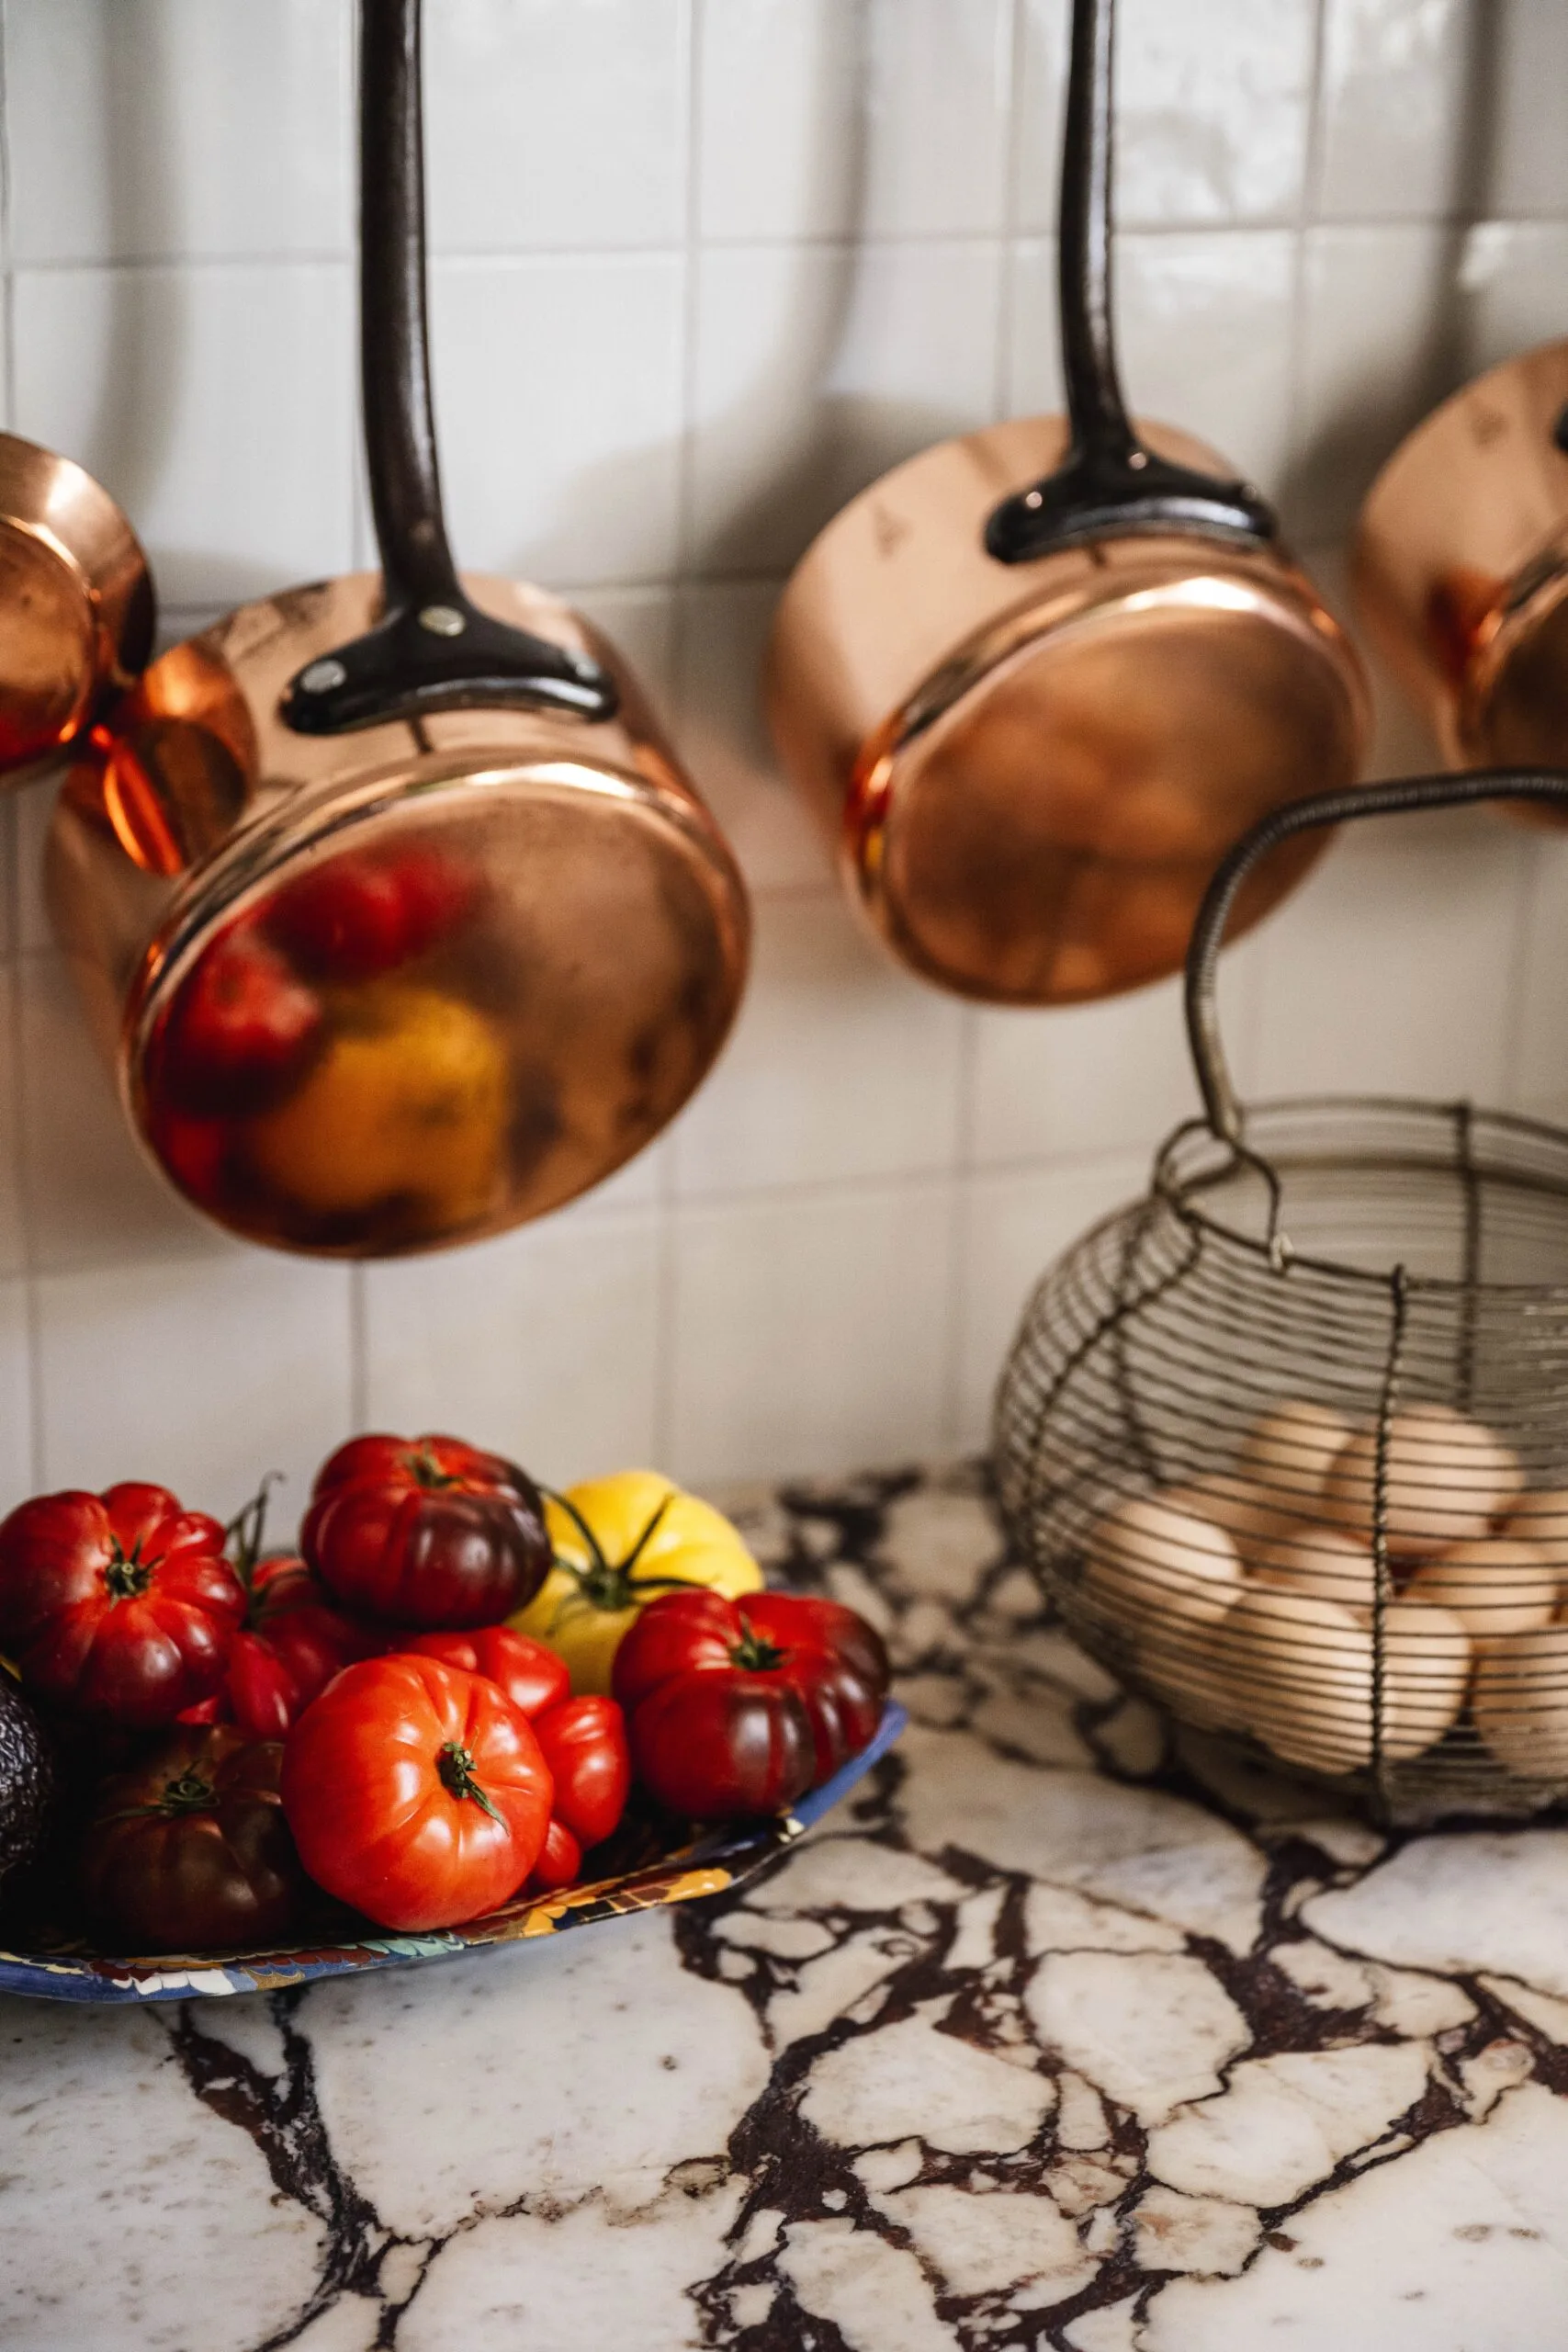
{"x":395,"y":914}
{"x":1461,"y":568}
{"x":1036,"y":680}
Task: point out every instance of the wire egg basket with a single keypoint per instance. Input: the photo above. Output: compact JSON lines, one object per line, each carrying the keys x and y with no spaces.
{"x":1287,"y":1441}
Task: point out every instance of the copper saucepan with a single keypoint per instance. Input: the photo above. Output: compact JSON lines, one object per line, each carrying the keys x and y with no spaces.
{"x":399,"y":920}
{"x":1035,"y":681}
{"x":77,"y":601}
{"x":1461,"y":568}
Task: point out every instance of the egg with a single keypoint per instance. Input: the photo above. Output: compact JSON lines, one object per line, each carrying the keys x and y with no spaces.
{"x":1149,"y":1561}
{"x":1323,"y":1564}
{"x":1542,"y":1520}
{"x":1521,"y":1703}
{"x":1249,"y":1517}
{"x":1190,"y":1681}
{"x":1306,"y":1669}
{"x":1289,"y":1450}
{"x":1447,"y":1478}
{"x":1496,"y":1586}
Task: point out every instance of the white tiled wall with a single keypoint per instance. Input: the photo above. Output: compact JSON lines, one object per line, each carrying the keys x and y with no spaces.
{"x":703,"y":268}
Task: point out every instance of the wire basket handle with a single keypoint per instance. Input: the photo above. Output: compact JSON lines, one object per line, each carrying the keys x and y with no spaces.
{"x":1396,"y":798}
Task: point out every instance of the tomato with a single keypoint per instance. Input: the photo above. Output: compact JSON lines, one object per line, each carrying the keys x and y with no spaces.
{"x":584,"y":1743}
{"x":190,"y":1850}
{"x":560,"y":1860}
{"x":416,"y":1792}
{"x":357,"y":916}
{"x":426,"y":1532}
{"x":242,"y":1028}
{"x":532,"y":1677}
{"x":292,"y":1642}
{"x":120,"y":1604}
{"x":618,"y":1542}
{"x":740,"y":1707}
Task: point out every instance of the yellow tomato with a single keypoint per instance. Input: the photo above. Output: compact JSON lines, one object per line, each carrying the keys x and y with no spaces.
{"x":618,"y":1543}
{"x":410,"y":1099}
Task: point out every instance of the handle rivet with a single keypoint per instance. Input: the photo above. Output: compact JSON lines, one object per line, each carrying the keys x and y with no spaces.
{"x":1034,"y":498}
{"x":443,"y":620}
{"x":323,"y":676}
{"x":1138,"y":459}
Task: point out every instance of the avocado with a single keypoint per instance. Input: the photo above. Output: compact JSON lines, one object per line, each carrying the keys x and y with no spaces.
{"x":27,"y":1782}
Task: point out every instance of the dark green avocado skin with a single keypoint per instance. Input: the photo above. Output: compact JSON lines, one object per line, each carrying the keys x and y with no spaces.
{"x":27,"y":1781}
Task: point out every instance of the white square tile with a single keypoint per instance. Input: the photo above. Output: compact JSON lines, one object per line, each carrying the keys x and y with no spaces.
{"x":1390,"y":970}
{"x":839,"y":1065}
{"x":32,"y":806}
{"x":1378,"y":349}
{"x":1212,"y":101}
{"x":17,"y":1476}
{"x":809,"y":1332}
{"x":1526,"y":140}
{"x":557,"y":397}
{"x":200,"y":1377}
{"x":1203,"y":341}
{"x":1510,"y":278}
{"x":148,"y":129}
{"x":818,"y":119}
{"x":722,"y":634}
{"x":1539,"y":1078}
{"x":554,"y":123}
{"x":216,"y":404}
{"x":1012,"y":1227}
{"x":91,"y":1197}
{"x":544,"y":1345}
{"x":640,"y":624}
{"x":816,"y":369}
{"x":13,"y":1232}
{"x":1087,"y":1079}
{"x":1399,"y":89}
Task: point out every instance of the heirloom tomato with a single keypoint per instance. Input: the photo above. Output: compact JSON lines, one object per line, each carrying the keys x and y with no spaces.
{"x":618,"y":1542}
{"x":242,"y":1028}
{"x":357,"y":916}
{"x":120,"y":1604}
{"x":532,"y":1677}
{"x":416,"y":1792}
{"x":584,"y":1743}
{"x":190,"y":1850}
{"x":560,"y":1860}
{"x":291,"y":1644}
{"x":426,"y":1532}
{"x":740,"y":1707}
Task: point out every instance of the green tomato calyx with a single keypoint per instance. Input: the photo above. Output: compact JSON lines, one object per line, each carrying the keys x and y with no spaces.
{"x":455,"y":1766}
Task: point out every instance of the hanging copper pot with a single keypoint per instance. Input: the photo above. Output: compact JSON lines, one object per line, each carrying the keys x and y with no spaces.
{"x":395,"y":914}
{"x":1461,"y":568}
{"x":1035,"y":681}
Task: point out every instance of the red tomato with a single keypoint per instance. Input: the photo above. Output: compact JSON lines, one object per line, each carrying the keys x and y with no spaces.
{"x":293,"y":1640}
{"x":357,"y":916}
{"x":416,"y":1792}
{"x":242,"y":1028}
{"x":426,"y":1532}
{"x":738,"y":1707}
{"x":584,"y":1743}
{"x":560,"y":1860}
{"x":120,"y":1605}
{"x":532,"y":1677}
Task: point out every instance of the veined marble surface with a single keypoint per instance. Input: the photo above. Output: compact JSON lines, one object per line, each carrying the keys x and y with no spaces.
{"x":1056,"y":2036}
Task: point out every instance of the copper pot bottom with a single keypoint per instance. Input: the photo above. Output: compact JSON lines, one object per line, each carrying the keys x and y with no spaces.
{"x":1046,"y":836}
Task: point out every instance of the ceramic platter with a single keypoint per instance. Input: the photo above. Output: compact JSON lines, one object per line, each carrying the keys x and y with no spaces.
{"x":704,"y":1862}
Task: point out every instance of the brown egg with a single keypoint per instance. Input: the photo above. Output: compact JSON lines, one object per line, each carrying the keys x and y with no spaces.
{"x":1249,"y":1517}
{"x":1496,"y":1586}
{"x":1542,"y":1520}
{"x":1288,"y":1452}
{"x":1521,"y":1703}
{"x":1447,"y":1478}
{"x":1149,"y":1561}
{"x":1178,"y":1661}
{"x":1322,"y":1564}
{"x":1305,"y":1668}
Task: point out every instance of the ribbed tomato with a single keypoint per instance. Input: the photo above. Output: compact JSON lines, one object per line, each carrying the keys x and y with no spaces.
{"x":120,"y":1604}
{"x":189,"y":1851}
{"x":416,"y":1792}
{"x":532,"y":1677}
{"x":584,"y":1743}
{"x":426,"y":1532}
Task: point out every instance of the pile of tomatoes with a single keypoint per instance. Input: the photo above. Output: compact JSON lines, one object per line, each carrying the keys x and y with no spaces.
{"x":238,"y":1734}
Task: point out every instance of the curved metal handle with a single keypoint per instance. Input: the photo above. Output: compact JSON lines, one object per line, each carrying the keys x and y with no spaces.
{"x":1110,"y":481}
{"x":1396,"y":799}
{"x":435,"y":650}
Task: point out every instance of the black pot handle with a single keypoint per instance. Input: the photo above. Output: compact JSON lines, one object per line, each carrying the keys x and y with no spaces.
{"x":1396,"y":799}
{"x":1108,"y":482}
{"x":435,"y":650}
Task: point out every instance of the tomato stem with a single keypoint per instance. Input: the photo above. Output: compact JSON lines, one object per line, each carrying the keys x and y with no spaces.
{"x":126,"y":1575}
{"x":428,"y":1474}
{"x":246,"y":1529}
{"x":611,"y":1585}
{"x":455,"y":1766}
{"x":754,"y":1654}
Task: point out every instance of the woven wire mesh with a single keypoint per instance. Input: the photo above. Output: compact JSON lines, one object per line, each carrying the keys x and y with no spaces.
{"x":1371,"y":1590}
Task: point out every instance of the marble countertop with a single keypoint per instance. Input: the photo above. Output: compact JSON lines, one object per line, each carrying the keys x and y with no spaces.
{"x":1056,"y":2035}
